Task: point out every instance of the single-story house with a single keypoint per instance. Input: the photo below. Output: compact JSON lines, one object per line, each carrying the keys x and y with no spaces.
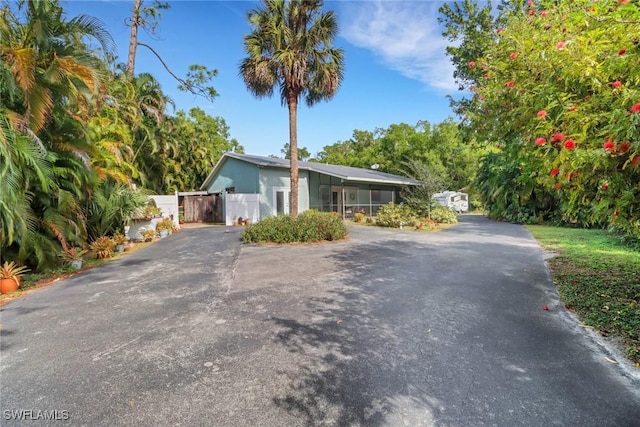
{"x":324,"y":187}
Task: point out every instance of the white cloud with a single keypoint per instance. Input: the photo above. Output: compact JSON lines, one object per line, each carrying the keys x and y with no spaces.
{"x":405,"y":35}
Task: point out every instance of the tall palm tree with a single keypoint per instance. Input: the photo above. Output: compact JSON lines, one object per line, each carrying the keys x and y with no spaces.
{"x":290,"y":46}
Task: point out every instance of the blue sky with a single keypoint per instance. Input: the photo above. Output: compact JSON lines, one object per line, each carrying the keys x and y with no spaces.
{"x":396,"y":69}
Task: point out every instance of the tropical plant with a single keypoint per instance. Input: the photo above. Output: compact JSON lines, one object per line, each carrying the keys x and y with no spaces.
{"x":73,"y":254}
{"x":103,"y":246}
{"x":10,"y":270}
{"x":112,"y":207}
{"x":165,"y":224}
{"x":148,"y":234}
{"x":119,"y":238}
{"x":290,"y":47}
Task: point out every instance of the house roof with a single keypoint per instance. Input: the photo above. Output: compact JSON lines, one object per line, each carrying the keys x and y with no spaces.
{"x":346,"y":173}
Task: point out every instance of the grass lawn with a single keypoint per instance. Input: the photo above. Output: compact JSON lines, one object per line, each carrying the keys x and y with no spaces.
{"x":599,"y":279}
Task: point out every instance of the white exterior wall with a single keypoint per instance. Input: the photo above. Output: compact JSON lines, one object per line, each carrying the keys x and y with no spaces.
{"x":280,"y":178}
{"x":241,"y":205}
{"x":168,"y":206}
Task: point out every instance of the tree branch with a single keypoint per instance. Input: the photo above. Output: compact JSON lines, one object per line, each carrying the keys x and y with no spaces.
{"x":191,"y":84}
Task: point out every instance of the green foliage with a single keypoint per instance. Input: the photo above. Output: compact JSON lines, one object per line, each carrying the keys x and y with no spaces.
{"x":444,"y":215}
{"x":393,"y":215}
{"x":431,"y":181}
{"x":599,"y":279}
{"x":309,"y":226}
{"x":556,"y":94}
{"x":450,"y":153}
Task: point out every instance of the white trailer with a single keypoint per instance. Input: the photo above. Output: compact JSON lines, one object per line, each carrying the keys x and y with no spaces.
{"x":455,"y":200}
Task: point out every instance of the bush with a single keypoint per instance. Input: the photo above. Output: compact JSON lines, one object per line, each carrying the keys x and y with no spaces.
{"x":392,"y":215}
{"x":444,"y":215}
{"x":309,"y":226}
{"x":103,"y":246}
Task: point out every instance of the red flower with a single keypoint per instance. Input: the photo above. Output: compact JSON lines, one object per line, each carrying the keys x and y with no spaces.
{"x":472,"y":64}
{"x":544,"y":13}
{"x":540,"y":141}
{"x":561,"y":45}
{"x":510,"y":83}
{"x":570,"y":144}
{"x":557,"y":186}
{"x":622,"y":52}
{"x":554,"y":172}
{"x":635,"y":160}
{"x":486,"y":76}
{"x":616,"y":213}
{"x":624,"y":147}
{"x":635,"y":108}
{"x":573,"y":108}
{"x":605,"y":186}
{"x":557,"y":137}
{"x":616,"y":84}
{"x":609,"y":145}
{"x":543,"y":113}
{"x":545,"y":307}
{"x":513,"y":55}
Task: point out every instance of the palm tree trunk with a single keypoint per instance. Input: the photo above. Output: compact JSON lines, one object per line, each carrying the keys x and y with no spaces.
{"x":293,"y":152}
{"x":133,"y":38}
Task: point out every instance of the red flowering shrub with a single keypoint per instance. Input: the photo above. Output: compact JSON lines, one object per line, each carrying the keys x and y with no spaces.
{"x":572,"y":110}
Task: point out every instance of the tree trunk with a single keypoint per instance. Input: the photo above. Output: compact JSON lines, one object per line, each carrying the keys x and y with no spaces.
{"x":293,"y":152}
{"x":133,"y":38}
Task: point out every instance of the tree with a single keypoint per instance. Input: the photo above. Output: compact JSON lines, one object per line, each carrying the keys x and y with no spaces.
{"x":303,"y":152}
{"x":290,"y":46}
{"x":556,"y":96}
{"x":146,"y":17}
{"x":431,"y":181}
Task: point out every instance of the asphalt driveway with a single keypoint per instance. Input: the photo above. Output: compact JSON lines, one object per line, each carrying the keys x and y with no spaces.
{"x":386,"y":328}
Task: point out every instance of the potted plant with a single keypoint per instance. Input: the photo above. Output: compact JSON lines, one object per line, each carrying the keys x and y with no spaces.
{"x":164,"y":227}
{"x":10,"y":276}
{"x":73,"y":256}
{"x":148,"y":234}
{"x":103,"y":246}
{"x":120,"y":240}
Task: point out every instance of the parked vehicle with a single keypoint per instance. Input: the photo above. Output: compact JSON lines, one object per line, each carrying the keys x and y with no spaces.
{"x":455,"y":200}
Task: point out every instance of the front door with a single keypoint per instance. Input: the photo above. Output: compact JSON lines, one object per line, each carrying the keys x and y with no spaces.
{"x":281,"y":200}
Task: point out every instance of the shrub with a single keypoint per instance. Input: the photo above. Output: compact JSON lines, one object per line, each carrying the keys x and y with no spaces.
{"x":103,"y":246}
{"x":392,"y":215}
{"x":444,"y":215}
{"x":307,"y":227}
{"x":359,"y":216}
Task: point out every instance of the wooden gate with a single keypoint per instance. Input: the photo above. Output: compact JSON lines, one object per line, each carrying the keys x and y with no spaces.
{"x":202,"y":208}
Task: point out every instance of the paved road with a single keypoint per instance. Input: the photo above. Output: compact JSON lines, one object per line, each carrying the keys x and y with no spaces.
{"x":388,"y":328}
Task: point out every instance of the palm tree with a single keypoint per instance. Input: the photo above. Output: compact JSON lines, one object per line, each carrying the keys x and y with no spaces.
{"x":290,"y":47}
{"x":49,"y":77}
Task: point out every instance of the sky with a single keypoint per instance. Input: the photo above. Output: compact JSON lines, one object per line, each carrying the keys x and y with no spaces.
{"x":396,"y":70}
